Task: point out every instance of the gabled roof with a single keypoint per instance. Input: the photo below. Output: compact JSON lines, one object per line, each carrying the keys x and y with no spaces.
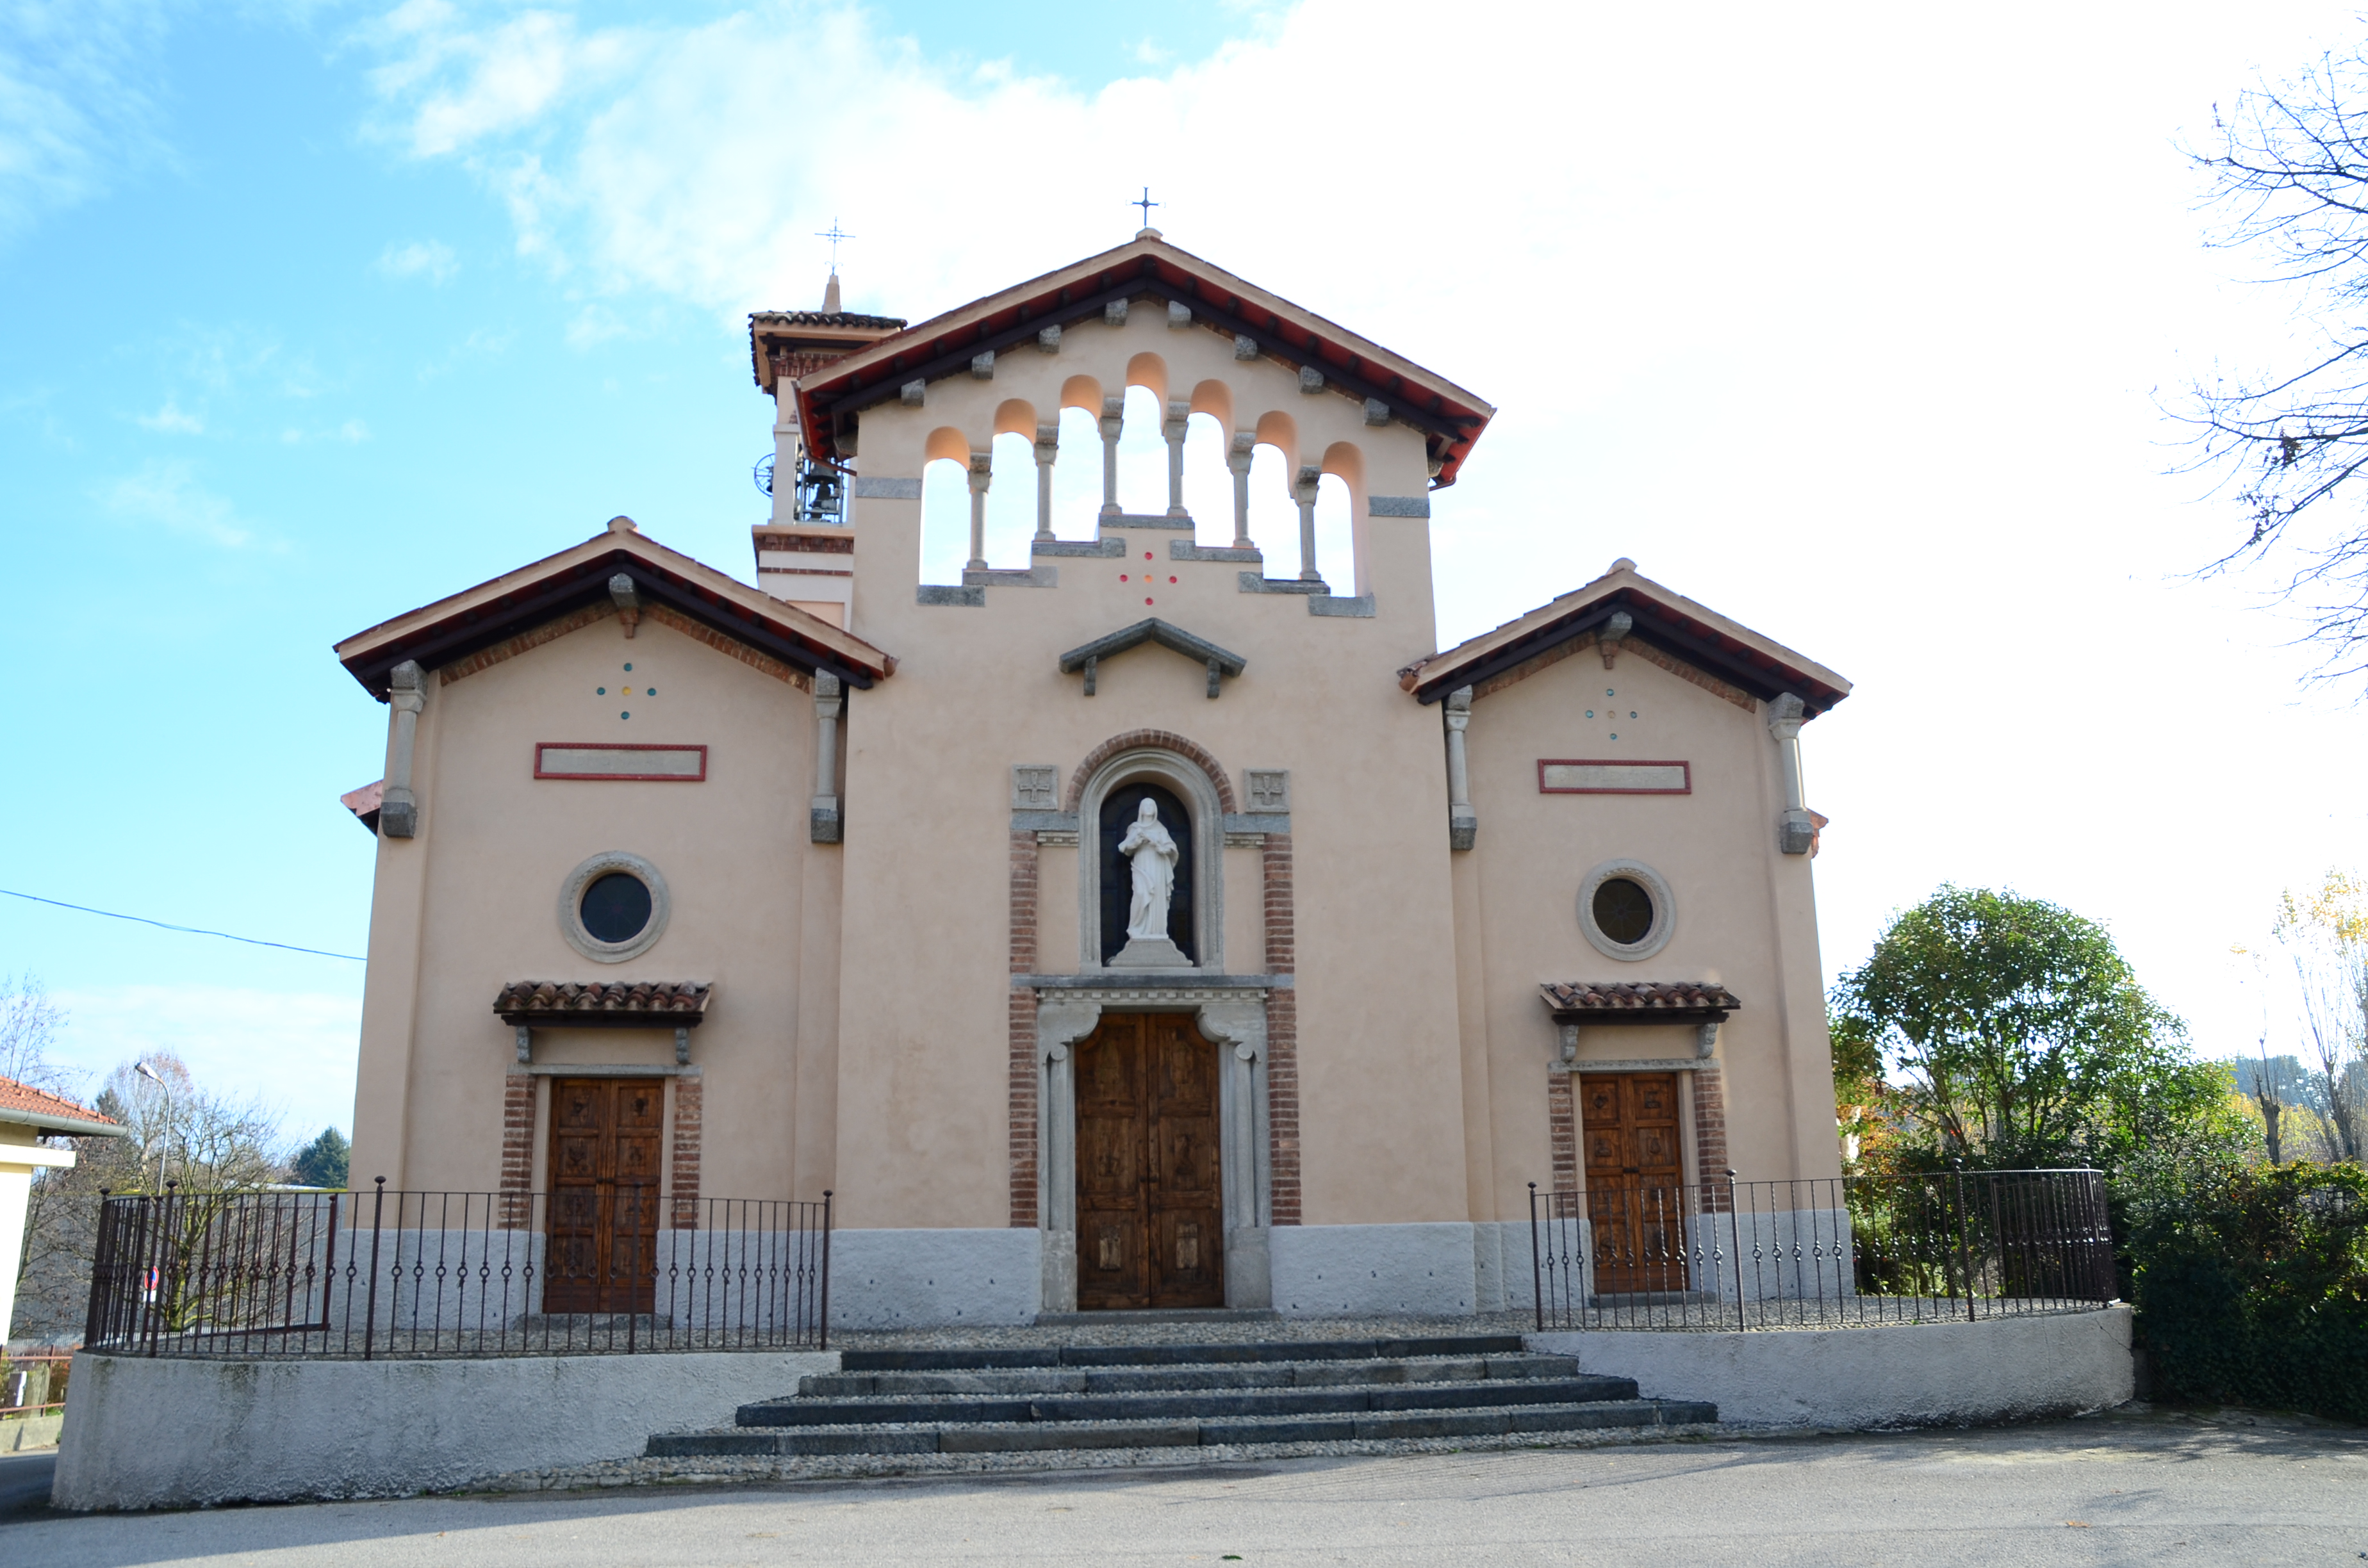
{"x":1692,"y":633}
{"x":775,"y":334}
{"x":1200,"y":649}
{"x":21,"y":1104}
{"x":1450,"y":417}
{"x":452,"y":629}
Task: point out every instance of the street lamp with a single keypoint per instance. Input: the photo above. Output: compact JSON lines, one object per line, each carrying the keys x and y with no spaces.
{"x":165,"y":1152}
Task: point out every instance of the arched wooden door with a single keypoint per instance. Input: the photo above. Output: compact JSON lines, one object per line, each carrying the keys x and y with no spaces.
{"x":1150,"y":1211}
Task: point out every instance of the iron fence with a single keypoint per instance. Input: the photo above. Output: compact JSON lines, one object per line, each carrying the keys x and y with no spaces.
{"x":1951,"y":1246}
{"x":600,"y":1269}
{"x":32,"y":1382}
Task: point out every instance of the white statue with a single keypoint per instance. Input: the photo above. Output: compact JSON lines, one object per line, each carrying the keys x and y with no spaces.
{"x":1154,"y":854}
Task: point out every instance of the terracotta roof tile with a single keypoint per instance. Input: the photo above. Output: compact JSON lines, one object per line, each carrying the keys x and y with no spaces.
{"x":25,"y":1100}
{"x":665,"y":1003}
{"x":826,"y":318}
{"x":1637,"y":996}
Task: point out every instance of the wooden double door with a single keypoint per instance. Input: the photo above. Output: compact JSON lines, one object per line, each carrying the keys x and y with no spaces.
{"x":605,"y":1136}
{"x":1150,"y":1211}
{"x":1635,"y":1181}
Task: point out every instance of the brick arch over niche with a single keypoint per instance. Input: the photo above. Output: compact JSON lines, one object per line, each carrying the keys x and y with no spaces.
{"x":1190,"y":751}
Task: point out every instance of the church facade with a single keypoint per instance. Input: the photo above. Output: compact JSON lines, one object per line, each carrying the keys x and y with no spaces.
{"x":1128,"y":929}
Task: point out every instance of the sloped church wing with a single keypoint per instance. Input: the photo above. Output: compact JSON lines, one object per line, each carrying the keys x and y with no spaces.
{"x":615,"y":572}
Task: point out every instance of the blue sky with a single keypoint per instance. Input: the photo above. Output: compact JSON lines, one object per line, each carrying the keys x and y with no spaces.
{"x":1850,"y":326}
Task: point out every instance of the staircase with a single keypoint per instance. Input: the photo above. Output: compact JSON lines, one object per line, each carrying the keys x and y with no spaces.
{"x":1160,"y":1396}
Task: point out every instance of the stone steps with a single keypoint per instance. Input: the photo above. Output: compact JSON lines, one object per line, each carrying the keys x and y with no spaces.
{"x":1049,"y":1399}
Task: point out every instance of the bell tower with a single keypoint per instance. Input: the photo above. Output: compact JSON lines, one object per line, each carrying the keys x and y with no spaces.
{"x":804,"y":550}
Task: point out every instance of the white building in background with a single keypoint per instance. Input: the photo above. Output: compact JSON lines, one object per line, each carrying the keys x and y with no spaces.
{"x":25,"y":1113}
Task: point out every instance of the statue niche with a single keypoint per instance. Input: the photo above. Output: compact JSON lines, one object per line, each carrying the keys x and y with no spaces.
{"x":1146,"y":843}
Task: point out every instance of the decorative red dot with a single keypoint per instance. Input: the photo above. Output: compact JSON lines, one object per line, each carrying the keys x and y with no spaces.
{"x":1146,"y":555}
{"x":1146,"y":601}
{"x":1171,"y":579}
{"x":1122,"y":576}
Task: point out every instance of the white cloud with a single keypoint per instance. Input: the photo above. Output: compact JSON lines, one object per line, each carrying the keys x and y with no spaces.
{"x":77,"y":102}
{"x":351,"y":432}
{"x":295,"y":1053}
{"x":172,"y":421}
{"x":431,"y":259}
{"x":166,"y":493}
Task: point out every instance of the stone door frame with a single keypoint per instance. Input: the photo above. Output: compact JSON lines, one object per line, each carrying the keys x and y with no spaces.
{"x":1232,"y":1014}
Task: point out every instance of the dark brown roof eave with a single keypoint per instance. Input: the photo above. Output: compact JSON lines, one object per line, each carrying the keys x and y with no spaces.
{"x":1655,"y":627}
{"x":469,"y":630}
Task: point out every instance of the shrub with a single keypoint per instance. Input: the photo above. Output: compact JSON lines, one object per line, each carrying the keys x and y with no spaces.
{"x":2251,"y":1282}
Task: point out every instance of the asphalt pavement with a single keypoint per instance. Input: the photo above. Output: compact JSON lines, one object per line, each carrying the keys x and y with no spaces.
{"x":2131,"y":1487}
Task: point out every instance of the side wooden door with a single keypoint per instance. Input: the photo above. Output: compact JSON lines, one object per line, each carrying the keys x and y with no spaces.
{"x":1635,"y":1201}
{"x":604,"y":1194}
{"x":1150,"y":1210}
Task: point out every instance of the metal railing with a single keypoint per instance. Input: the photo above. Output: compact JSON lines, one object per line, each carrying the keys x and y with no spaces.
{"x":32,"y":1382}
{"x":608,"y":1268}
{"x":1953,"y":1246}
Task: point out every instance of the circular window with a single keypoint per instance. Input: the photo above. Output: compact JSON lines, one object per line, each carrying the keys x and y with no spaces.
{"x":1625,"y":910}
{"x":613,"y":907}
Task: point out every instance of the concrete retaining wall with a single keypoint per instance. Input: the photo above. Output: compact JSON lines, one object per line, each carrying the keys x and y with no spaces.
{"x":1911,"y":1375}
{"x":927,"y":1278}
{"x":29,"y":1432}
{"x":165,"y":1432}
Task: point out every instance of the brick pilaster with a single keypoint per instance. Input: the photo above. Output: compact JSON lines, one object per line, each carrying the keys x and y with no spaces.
{"x":517,"y":1147}
{"x":1562,"y":1128}
{"x":690,"y":1108}
{"x":1021,"y":1016}
{"x":1709,"y":1132}
{"x":1281,"y":1034}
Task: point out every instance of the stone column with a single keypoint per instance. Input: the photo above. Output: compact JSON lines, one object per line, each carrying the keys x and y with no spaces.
{"x":1303,"y":492}
{"x":1059,"y":1024}
{"x":398,"y":811}
{"x":981,"y":473}
{"x":1463,"y":823}
{"x":1795,"y":831}
{"x":1179,"y":411}
{"x":1238,"y":457}
{"x":1048,"y":445}
{"x":1113,"y":417}
{"x":823,"y":824}
{"x":787,"y":439}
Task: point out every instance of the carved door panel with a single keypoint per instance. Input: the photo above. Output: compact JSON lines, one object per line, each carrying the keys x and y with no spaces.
{"x":1188,"y":1227}
{"x":602,"y":1255}
{"x":1112,"y":1201}
{"x":1635,"y":1201}
{"x":1150,"y":1211}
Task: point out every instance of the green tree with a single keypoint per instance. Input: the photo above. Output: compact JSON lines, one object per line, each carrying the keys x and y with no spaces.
{"x":2023,"y":1036}
{"x":326,"y":1161}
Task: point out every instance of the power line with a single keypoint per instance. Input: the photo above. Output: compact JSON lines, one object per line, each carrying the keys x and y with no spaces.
{"x":191,"y":930}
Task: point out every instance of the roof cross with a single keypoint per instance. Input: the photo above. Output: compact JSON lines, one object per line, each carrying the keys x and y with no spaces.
{"x":1146,"y":204}
{"x":834,"y":236}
